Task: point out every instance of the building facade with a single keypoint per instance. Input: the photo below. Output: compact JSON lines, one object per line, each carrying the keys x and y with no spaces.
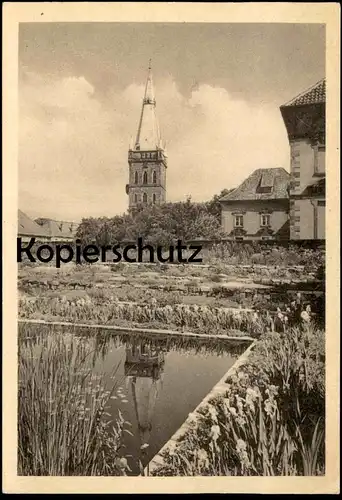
{"x":259,"y":208}
{"x":304,"y":118}
{"x":147,"y":157}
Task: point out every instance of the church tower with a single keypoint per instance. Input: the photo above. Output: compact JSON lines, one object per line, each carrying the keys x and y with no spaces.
{"x":147,"y":158}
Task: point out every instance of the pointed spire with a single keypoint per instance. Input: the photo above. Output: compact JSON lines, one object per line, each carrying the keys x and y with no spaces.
{"x":149,"y":91}
{"x":148,"y":135}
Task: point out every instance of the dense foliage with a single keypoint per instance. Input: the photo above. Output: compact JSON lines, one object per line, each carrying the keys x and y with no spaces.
{"x":259,"y":253}
{"x":270,"y":422}
{"x":157,"y":225}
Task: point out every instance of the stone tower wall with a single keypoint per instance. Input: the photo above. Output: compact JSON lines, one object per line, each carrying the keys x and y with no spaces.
{"x":155,"y":185}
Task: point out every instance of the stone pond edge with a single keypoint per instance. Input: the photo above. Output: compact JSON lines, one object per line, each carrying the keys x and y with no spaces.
{"x":218,"y":389}
{"x":151,"y":331}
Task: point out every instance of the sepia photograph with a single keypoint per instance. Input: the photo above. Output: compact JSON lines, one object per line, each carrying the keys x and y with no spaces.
{"x":171,"y":248}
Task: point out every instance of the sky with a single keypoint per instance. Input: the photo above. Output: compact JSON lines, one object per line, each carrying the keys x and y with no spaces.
{"x":218,"y":90}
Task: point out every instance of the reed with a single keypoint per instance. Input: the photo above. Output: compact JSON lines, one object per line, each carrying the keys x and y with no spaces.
{"x":200,"y":319}
{"x":105,"y":309}
{"x":63,"y":426}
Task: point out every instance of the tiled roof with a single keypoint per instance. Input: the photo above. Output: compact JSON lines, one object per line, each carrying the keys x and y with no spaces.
{"x":262,"y":184}
{"x":58,"y":229}
{"x":313,"y":95}
{"x":28,"y":227}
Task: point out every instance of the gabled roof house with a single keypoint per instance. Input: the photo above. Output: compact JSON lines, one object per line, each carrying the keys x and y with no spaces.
{"x":28,"y":228}
{"x":259,"y":207}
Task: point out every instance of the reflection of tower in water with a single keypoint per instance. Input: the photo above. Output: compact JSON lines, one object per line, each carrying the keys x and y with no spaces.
{"x":144,"y":368}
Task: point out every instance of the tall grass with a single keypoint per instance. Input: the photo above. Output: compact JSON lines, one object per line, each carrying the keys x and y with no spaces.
{"x":200,"y":319}
{"x":271,"y":420}
{"x":207,"y":319}
{"x":63,"y":426}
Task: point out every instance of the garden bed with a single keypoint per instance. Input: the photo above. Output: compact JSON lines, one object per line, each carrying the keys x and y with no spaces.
{"x":218,"y":390}
{"x":169,"y":285}
{"x":178,"y":317}
{"x":267,"y":419}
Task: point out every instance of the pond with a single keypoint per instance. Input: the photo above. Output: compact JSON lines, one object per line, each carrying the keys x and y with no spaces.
{"x":159,"y":380}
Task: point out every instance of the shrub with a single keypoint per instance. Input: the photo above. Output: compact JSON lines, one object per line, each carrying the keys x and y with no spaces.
{"x":117,"y":268}
{"x":231,"y":252}
{"x":215,"y":278}
{"x":99,"y":294}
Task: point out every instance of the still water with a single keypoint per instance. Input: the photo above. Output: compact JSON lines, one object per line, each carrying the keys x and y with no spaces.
{"x":159,"y":381}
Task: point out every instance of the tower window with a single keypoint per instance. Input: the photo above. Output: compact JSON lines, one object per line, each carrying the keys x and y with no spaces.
{"x":136,"y":178}
{"x":154,"y":199}
{"x":145,"y":197}
{"x":154,"y":177}
{"x":135,"y":198}
{"x":145,"y":178}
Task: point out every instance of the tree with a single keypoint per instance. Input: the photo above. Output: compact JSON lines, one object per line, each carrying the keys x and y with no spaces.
{"x":214,"y":206}
{"x":156,"y":224}
{"x":88,"y":230}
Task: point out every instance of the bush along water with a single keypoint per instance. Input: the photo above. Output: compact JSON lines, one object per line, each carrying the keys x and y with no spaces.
{"x":63,"y":426}
{"x":271,"y":420}
{"x":199,"y":319}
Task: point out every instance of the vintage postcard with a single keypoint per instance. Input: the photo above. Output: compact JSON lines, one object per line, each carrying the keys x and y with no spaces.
{"x":171,"y":247}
